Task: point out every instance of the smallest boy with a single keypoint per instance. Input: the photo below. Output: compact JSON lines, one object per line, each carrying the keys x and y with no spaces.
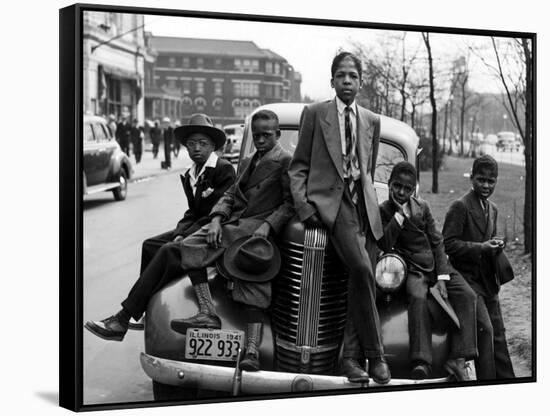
{"x":409,"y":230}
{"x":469,"y":232}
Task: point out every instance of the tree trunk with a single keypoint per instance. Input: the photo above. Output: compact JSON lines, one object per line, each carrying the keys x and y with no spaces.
{"x":435,"y":164}
{"x":528,"y":152}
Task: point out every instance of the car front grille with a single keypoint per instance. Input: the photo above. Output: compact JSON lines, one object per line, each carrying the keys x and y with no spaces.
{"x":309,"y":307}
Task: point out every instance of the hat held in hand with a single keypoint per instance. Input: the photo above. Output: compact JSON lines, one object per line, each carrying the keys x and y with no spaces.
{"x":200,"y":123}
{"x":255,"y":259}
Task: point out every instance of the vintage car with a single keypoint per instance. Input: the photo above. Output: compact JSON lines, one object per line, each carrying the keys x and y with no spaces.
{"x":303,"y":334}
{"x":232,"y":149}
{"x":106,"y":166}
{"x":507,"y":142}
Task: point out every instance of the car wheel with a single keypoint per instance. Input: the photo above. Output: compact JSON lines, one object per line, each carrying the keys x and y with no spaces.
{"x":122,"y":190}
{"x":167,"y":392}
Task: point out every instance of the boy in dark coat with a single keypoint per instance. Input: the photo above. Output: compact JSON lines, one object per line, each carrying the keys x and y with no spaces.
{"x":469,"y":232}
{"x":204,"y":183}
{"x":409,"y":230}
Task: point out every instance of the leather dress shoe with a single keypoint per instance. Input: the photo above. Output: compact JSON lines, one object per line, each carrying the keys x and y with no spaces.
{"x":457,"y":368}
{"x":379,"y":370}
{"x":353,"y":371}
{"x":420,"y":371}
{"x":110,"y":329}
{"x":200,"y":320}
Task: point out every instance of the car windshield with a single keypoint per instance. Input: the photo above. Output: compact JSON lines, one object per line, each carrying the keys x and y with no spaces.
{"x":388,"y":154}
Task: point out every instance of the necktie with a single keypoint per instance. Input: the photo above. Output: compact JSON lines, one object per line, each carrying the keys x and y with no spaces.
{"x":350,"y":158}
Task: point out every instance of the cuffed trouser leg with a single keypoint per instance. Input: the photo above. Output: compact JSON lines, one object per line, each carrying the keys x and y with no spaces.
{"x":163,"y":268}
{"x":420,"y":328}
{"x":503,"y":363}
{"x":349,"y":243}
{"x":485,"y":363}
{"x":463,"y":299}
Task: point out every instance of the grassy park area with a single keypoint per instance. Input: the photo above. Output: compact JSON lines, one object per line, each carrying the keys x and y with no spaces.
{"x":516,"y":296}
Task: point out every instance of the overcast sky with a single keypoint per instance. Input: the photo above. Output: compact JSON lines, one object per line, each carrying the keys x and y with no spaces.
{"x":310,"y":49}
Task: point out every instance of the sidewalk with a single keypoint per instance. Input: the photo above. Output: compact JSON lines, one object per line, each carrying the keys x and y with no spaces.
{"x":149,"y":167}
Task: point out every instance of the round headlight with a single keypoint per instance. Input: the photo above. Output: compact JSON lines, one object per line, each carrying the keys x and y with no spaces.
{"x":391,"y":272}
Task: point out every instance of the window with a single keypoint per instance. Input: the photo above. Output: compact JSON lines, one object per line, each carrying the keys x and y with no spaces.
{"x":217,"y":104}
{"x":99,"y":132}
{"x":185,"y":62}
{"x":237,"y":64}
{"x":255,"y":65}
{"x":200,"y":103}
{"x":200,"y":63}
{"x":237,"y":89}
{"x":200,"y":87}
{"x":276,"y":68}
{"x":269,"y":91}
{"x":186,"y":84}
{"x":218,"y":88}
{"x":88,"y":133}
{"x":218,"y":63}
{"x":388,"y":157}
{"x":187,"y":102}
{"x":269,"y":67}
{"x":172,"y":84}
{"x":246,"y":89}
{"x":172,"y":62}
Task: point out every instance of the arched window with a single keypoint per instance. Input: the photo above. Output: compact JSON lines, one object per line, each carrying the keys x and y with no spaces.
{"x":217,"y":104}
{"x":256,"y":103}
{"x":200,"y":103}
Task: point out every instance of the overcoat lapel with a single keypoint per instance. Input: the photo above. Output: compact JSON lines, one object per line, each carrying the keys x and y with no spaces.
{"x":185,"y":182}
{"x":331,"y":134}
{"x":364,"y":140}
{"x":477,"y":213}
{"x":264,"y":168}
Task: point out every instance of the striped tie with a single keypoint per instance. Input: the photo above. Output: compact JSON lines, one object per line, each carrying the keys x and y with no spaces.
{"x":350,"y":158}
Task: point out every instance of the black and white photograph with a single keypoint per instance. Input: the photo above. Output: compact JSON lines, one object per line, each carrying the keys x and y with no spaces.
{"x":275,"y":207}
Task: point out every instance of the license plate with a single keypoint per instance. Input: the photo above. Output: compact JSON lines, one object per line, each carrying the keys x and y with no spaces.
{"x":213,"y":344}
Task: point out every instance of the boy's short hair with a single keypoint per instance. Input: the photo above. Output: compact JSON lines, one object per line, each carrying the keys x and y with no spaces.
{"x":485,"y":162}
{"x":343,"y":55}
{"x":403,"y":167}
{"x":265,"y":115}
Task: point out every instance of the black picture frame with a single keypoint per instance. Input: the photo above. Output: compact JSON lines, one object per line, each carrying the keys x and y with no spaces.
{"x":71,"y":203}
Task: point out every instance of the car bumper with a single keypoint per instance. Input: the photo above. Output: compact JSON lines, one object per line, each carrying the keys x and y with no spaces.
{"x":211,"y":377}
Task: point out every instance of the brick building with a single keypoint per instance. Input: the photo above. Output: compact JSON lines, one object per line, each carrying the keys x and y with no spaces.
{"x":113,"y":64}
{"x":225,"y":79}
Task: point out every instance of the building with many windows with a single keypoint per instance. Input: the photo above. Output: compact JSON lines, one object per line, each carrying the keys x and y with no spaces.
{"x":225,"y":79}
{"x":113,"y":64}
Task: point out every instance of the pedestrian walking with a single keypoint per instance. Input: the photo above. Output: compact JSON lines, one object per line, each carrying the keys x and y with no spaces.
{"x":155,"y":133}
{"x":168,"y":136}
{"x":176,"y":145}
{"x":137,"y":140}
{"x":123,"y":133}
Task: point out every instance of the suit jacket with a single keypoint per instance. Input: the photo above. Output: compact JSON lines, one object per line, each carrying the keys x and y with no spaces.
{"x":464,"y":231}
{"x":316,"y":172}
{"x":418,"y":241}
{"x":259,"y":195}
{"x":211,"y":186}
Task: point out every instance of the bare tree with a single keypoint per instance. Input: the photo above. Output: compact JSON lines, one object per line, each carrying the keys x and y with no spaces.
{"x":435,"y":164}
{"x":519,"y":98}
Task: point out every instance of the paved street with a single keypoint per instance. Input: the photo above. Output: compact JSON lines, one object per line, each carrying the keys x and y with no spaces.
{"x":112,"y":237}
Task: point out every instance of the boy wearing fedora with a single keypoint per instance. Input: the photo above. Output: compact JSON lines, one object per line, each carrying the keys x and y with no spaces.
{"x":470,"y":231}
{"x":410,"y":231}
{"x":204,"y":183}
{"x":258,"y":205}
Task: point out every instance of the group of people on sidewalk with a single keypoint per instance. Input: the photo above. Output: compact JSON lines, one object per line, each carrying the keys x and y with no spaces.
{"x":133,"y":134}
{"x":328,"y":182}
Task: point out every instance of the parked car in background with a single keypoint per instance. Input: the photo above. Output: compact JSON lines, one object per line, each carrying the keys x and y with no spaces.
{"x":303,"y":334}
{"x":234,"y":134}
{"x":105,"y":166}
{"x":506,"y":142}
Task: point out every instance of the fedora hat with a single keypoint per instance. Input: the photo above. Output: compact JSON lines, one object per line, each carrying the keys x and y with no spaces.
{"x":200,"y":123}
{"x":254,"y":259}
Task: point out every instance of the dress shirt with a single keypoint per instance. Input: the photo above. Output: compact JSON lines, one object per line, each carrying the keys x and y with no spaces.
{"x":210,"y":163}
{"x":341,"y":107}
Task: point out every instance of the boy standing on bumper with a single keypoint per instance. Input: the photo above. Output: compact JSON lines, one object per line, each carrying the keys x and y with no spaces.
{"x":469,"y":232}
{"x":331,"y":179}
{"x":409,"y":230}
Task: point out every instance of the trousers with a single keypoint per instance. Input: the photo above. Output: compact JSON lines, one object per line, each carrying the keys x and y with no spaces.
{"x":463,"y":300}
{"x":362,"y":337}
{"x":494,"y":359}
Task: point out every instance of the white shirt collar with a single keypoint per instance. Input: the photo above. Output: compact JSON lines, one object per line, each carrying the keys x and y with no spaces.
{"x":210,"y":163}
{"x":341,"y":106}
